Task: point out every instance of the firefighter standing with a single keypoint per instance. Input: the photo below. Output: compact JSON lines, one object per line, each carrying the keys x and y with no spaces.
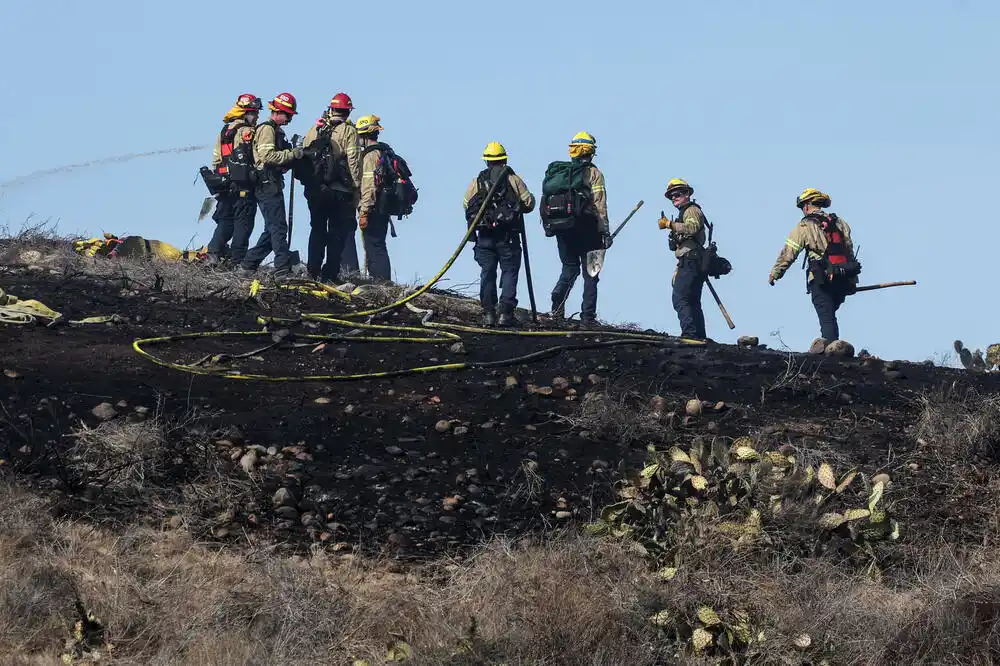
{"x":687,"y":239}
{"x":374,"y":224}
{"x":832,"y":267}
{"x":236,"y":209}
{"x":333,"y":198}
{"x":273,"y":155}
{"x":498,"y":235}
{"x":590,"y":233}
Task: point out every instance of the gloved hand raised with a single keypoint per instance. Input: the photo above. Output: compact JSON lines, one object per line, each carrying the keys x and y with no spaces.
{"x":606,"y":240}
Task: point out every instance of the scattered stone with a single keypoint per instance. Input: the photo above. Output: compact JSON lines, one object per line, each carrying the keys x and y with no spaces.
{"x":883,"y":479}
{"x":719,"y":406}
{"x":12,"y":374}
{"x":595,"y":380}
{"x":914,"y":466}
{"x":447,"y":520}
{"x":748,"y":341}
{"x":451,"y":503}
{"x":249,"y":461}
{"x":841,"y":348}
{"x":283,"y":497}
{"x":693,"y":407}
{"x":322,"y":400}
{"x":175,"y":522}
{"x":474,"y":490}
{"x":104,"y":411}
{"x":659,"y":405}
{"x":350,"y":409}
{"x":560,"y":383}
{"x":236,"y":454}
{"x":599,"y":464}
{"x":818,"y":346}
{"x":894,"y":375}
{"x":122,"y":404}
{"x":511,"y":382}
{"x":457,"y":348}
{"x":287,"y":513}
{"x":540,"y":390}
{"x":489,"y":425}
{"x":400,"y":540}
{"x":393,"y":450}
{"x":564,"y":515}
{"x":444,"y":425}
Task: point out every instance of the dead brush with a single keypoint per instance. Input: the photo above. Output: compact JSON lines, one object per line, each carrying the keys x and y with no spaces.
{"x":622,"y":415}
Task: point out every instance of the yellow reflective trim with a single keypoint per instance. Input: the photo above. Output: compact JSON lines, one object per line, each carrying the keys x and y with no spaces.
{"x":792,"y":244}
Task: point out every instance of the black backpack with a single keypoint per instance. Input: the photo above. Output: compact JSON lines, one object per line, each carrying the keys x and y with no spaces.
{"x":566,"y":196}
{"x":503,"y":212}
{"x":242,"y":170}
{"x":321,"y":168}
{"x":395,"y":193}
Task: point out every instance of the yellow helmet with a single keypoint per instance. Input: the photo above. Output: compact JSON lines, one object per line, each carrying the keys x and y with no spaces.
{"x":584,"y":138}
{"x":811,"y":195}
{"x":678,"y":185}
{"x":494,"y":152}
{"x":368,"y":124}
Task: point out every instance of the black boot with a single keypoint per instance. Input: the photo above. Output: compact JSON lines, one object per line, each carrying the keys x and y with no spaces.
{"x":508,"y":320}
{"x":489,"y":318}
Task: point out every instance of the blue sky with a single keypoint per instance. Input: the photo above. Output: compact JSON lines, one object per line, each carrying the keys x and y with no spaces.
{"x":890,"y":107}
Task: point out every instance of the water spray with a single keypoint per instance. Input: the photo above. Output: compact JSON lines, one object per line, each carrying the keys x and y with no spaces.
{"x":20,"y":180}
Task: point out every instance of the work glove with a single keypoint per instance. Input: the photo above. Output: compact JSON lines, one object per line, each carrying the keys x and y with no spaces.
{"x":770,"y":280}
{"x":663,"y":222}
{"x":607,"y":240}
{"x":297,"y":153}
{"x":363,"y":222}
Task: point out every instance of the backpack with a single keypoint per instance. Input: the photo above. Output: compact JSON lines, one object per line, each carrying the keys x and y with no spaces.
{"x":242,"y":171}
{"x":322,"y":168}
{"x":503,"y":212}
{"x":836,"y":266}
{"x":566,"y":196}
{"x":395,"y":193}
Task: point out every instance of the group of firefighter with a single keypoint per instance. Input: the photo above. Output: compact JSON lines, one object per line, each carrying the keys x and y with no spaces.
{"x":352,"y":180}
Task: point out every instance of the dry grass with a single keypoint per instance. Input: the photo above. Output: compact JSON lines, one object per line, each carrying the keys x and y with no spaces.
{"x":163,"y":598}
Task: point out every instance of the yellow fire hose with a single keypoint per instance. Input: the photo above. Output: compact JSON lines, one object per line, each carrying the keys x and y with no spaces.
{"x":429,"y":332}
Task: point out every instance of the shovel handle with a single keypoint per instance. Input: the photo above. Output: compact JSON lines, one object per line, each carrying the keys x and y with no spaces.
{"x":722,"y":307}
{"x":634,"y":211}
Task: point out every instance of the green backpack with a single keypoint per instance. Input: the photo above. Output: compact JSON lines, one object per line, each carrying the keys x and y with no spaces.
{"x":566,"y":196}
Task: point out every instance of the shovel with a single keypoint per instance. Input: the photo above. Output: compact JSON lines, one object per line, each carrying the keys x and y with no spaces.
{"x":207,"y":208}
{"x":595,"y":258}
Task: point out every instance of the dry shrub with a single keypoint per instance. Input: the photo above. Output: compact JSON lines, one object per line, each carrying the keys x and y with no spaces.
{"x":958,"y":426}
{"x":621,"y":414}
{"x":118,"y":455}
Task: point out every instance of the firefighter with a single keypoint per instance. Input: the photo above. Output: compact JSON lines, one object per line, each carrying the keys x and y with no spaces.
{"x":832,"y":267}
{"x":333,"y":191}
{"x":498,"y":234}
{"x":687,"y":239}
{"x":374,"y":225}
{"x":235,"y":210}
{"x":589,"y":232}
{"x":273,"y":156}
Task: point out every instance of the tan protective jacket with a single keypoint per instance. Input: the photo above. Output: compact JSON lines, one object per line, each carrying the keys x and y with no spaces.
{"x":368,"y":164}
{"x":515,"y":182}
{"x":344,"y":143}
{"x":600,"y":194}
{"x":807,"y":235}
{"x":689,"y":229}
{"x":265,"y":152}
{"x":238,"y":138}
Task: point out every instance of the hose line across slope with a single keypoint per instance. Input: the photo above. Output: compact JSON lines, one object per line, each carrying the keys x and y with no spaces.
{"x":429,"y":332}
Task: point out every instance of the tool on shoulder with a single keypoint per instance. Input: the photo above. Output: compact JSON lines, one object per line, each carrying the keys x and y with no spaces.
{"x":295,"y":258}
{"x":595,"y":258}
{"x":885,"y":285}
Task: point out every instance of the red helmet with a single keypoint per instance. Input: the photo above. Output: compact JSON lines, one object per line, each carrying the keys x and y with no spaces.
{"x":342,"y":102}
{"x":249,"y":102}
{"x":284,"y":102}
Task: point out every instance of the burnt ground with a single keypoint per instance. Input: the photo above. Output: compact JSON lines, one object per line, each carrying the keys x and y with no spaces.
{"x":371,"y":468}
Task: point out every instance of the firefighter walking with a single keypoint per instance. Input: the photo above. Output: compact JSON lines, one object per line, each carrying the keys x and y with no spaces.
{"x":498,"y":234}
{"x":331,"y":188}
{"x":687,"y":240}
{"x":832,"y":269}
{"x":236,"y":208}
{"x":575,"y":211}
{"x":273,"y":156}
